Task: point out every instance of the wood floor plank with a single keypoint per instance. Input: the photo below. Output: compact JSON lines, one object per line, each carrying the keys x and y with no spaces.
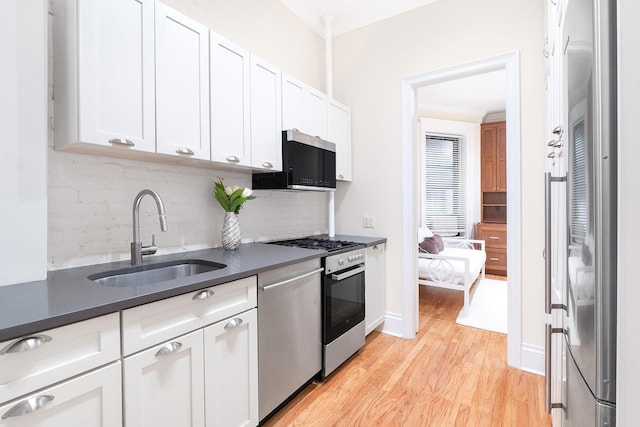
{"x":449,"y":375}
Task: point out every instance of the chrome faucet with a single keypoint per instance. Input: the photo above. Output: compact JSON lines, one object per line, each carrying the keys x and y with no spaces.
{"x":137,"y":250}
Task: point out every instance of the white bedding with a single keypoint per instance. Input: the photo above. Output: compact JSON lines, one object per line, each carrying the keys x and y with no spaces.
{"x":453,"y":269}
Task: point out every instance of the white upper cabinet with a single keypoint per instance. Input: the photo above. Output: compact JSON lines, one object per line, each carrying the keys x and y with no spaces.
{"x":104,"y":73}
{"x":339,"y":132}
{"x":303,"y":107}
{"x":182,"y":85}
{"x":292,"y":103}
{"x":230,"y":102}
{"x":266,"y":111}
{"x":315,"y":113}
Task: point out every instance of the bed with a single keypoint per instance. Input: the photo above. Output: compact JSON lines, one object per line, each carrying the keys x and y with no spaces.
{"x":457,"y":266}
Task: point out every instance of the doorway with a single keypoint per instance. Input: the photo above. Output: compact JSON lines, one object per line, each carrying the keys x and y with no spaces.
{"x":410,"y":204}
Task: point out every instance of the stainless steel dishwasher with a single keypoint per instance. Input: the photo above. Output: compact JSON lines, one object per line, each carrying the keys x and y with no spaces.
{"x":289,"y":332}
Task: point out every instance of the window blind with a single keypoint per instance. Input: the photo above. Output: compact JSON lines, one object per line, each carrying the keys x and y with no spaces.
{"x":578,"y":214}
{"x":444,"y":210}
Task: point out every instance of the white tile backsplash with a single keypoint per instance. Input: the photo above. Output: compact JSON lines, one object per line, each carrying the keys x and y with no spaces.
{"x":90,"y":202}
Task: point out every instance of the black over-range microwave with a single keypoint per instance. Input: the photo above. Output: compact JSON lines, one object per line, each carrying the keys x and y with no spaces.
{"x":308,"y":163}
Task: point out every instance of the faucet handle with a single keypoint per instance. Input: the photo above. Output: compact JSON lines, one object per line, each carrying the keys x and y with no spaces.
{"x":150,"y":250}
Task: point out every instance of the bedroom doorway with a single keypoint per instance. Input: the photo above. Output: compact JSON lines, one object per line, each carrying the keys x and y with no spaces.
{"x":410,"y":130}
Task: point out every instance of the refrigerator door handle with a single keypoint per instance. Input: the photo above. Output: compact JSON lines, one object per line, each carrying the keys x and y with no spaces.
{"x":547,"y":367}
{"x":548,"y":305}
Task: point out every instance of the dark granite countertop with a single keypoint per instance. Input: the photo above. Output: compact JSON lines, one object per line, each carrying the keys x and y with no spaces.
{"x":67,"y":296}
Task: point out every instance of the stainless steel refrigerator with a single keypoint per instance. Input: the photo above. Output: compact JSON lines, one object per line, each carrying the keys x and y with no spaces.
{"x":589,"y":142}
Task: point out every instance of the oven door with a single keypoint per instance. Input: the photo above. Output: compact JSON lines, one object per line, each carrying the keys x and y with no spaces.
{"x":343,"y":302}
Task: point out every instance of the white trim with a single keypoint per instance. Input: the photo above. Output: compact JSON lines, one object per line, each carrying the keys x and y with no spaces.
{"x":533,"y":359}
{"x":510,"y":62}
{"x":393,"y":324}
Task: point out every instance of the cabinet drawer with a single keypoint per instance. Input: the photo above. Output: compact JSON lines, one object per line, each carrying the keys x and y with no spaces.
{"x":92,"y":399}
{"x":495,"y":236}
{"x":37,"y":360}
{"x":153,"y":323}
{"x":496,"y":259}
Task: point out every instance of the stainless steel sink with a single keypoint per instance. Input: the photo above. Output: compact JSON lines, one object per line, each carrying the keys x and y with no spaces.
{"x":154,"y":273}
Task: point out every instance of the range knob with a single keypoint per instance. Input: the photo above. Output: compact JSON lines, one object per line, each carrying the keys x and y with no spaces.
{"x":351,"y":258}
{"x":340,"y":261}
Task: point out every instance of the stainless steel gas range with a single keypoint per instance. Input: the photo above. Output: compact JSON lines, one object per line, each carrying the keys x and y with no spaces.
{"x":343,"y":297}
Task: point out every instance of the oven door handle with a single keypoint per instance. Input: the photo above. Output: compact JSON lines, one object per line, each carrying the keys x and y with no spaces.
{"x":338,"y":277}
{"x":286,"y":282}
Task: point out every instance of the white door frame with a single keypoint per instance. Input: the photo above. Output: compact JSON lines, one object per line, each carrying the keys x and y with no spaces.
{"x":510,"y":62}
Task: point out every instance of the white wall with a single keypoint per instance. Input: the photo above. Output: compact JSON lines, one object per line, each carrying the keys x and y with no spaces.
{"x":628,"y":410}
{"x":368,"y":67}
{"x":23,"y":126}
{"x":470,"y":132}
{"x":91,"y":197}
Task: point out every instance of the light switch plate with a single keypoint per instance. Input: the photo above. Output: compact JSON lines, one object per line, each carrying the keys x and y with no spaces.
{"x":368,"y":221}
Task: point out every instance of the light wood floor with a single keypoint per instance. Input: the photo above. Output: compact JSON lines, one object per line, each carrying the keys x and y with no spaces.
{"x":450,"y":375}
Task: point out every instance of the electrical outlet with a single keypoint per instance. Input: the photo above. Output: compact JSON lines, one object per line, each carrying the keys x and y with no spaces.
{"x":368,"y":221}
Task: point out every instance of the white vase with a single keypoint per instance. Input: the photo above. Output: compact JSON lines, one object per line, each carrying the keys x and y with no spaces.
{"x":230,"y":231}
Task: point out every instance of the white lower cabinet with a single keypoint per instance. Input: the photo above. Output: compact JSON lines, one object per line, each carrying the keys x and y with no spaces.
{"x":164,"y":385}
{"x":374,"y":279}
{"x":231,"y":371}
{"x":92,"y":399}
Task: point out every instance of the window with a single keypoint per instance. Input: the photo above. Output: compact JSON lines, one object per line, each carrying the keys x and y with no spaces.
{"x":444,"y":209}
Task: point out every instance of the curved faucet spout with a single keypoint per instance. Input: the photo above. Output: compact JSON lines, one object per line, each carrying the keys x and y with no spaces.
{"x":137,"y":250}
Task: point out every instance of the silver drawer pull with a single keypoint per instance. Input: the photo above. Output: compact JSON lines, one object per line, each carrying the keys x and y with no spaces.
{"x":169,"y":348}
{"x":122,"y":141}
{"x":204,"y":294}
{"x":267,"y":165}
{"x":185,"y":151}
{"x":27,"y":406}
{"x":494,"y":237}
{"x":233,"y":159}
{"x":340,"y":176}
{"x":494,"y":259}
{"x":288,"y":281}
{"x":27,"y":343}
{"x":233,"y":323}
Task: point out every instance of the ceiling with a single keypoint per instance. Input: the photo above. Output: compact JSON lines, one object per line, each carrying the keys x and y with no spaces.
{"x":349,"y":14}
{"x":471,"y":96}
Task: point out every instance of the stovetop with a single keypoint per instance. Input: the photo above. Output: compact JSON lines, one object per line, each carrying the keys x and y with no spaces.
{"x":318,"y":243}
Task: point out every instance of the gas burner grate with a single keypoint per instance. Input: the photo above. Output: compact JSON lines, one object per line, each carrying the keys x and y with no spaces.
{"x":310,"y":243}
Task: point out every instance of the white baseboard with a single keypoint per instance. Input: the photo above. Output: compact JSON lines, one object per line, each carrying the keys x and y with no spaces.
{"x":393,"y":324}
{"x":532,"y":359}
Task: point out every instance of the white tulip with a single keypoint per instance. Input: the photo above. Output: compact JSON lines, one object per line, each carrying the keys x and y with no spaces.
{"x":247,"y":192}
{"x":228,"y":190}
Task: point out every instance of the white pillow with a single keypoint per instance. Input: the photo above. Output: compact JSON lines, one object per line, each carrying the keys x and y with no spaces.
{"x":424,"y":232}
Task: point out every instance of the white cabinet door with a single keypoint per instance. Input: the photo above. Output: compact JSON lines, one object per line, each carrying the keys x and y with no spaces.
{"x":266,"y":116}
{"x":339,"y":132}
{"x":292,"y":103}
{"x":116,"y":82}
{"x":315,"y":113}
{"x":93,"y":399}
{"x":230,"y":102}
{"x":182,"y":85}
{"x":374,"y":279}
{"x":231,"y":371}
{"x":164,"y":385}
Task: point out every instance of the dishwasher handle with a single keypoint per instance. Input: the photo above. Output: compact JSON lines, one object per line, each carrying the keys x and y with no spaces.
{"x":286,"y":282}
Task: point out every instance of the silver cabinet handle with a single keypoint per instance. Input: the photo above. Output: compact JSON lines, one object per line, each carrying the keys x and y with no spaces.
{"x":27,"y":406}
{"x":233,"y":159}
{"x":185,"y":151}
{"x":122,"y":141}
{"x":169,"y":348}
{"x":26,"y":343}
{"x":494,"y":237}
{"x":551,"y":155}
{"x":203,"y":294}
{"x":286,"y":282}
{"x":494,"y":259}
{"x":349,"y":273}
{"x":340,"y":176}
{"x":233,"y":323}
{"x":267,"y":165}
